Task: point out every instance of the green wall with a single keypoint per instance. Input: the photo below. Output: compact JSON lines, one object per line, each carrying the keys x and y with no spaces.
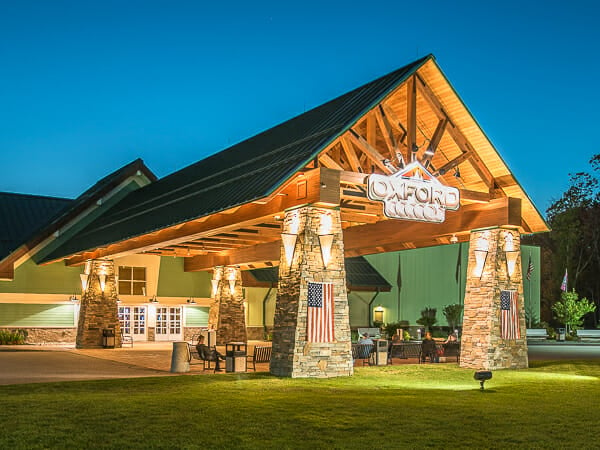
{"x":51,"y":279}
{"x":196,"y":316}
{"x":435,"y":277}
{"x":26,"y":315}
{"x":174,"y":282}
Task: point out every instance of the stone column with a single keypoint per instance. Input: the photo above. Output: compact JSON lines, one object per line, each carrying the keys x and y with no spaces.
{"x":482,"y":344}
{"x":227,"y":314}
{"x":305,"y":232}
{"x":99,"y":308}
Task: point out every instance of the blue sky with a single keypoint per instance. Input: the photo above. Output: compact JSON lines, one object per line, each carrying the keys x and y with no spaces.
{"x":88,"y":86}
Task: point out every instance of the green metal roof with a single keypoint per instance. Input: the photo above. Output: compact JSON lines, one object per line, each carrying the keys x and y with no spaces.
{"x":21,"y":216}
{"x":247,"y":171}
{"x":25,"y":218}
{"x":360,"y":276}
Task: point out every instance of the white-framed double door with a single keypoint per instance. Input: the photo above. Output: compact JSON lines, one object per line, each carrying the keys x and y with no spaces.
{"x":169,"y":323}
{"x":133,"y":320}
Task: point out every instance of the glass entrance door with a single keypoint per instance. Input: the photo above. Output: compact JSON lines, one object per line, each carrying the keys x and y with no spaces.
{"x":168,"y":323}
{"x":133,"y":321}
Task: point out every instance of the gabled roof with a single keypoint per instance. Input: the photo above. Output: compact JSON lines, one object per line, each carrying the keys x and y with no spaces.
{"x":41,"y":216}
{"x":247,"y":171}
{"x":360,"y":276}
{"x":21,"y":216}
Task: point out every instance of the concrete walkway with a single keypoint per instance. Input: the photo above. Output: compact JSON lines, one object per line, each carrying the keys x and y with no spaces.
{"x":39,"y":364}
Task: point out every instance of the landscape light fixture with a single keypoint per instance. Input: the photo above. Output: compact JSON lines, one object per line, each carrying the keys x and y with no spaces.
{"x":482,"y":376}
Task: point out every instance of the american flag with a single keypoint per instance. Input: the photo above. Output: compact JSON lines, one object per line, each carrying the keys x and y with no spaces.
{"x":563,"y":286}
{"x":320,"y":312}
{"x":529,"y":268}
{"x":509,"y":315}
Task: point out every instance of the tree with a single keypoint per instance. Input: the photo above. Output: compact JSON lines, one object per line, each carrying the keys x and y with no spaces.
{"x":452,"y":314}
{"x":428,"y":318}
{"x":570,"y":310}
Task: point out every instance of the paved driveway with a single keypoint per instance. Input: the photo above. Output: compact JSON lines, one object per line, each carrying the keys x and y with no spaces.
{"x":38,"y":366}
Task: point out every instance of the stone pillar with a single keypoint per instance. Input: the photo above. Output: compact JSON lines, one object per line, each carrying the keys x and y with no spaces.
{"x":227,"y":314}
{"x":482,"y":344}
{"x":99,"y":308}
{"x":305,"y":232}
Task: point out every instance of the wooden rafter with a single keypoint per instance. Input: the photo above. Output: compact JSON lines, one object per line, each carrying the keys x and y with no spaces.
{"x":411,"y":118}
{"x":353,"y":160}
{"x":434,"y":142}
{"x":456,"y":134}
{"x":386,"y":130}
{"x":374,"y":155}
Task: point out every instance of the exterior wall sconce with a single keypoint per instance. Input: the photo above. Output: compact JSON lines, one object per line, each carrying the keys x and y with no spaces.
{"x":73,"y":298}
{"x":289,"y":246}
{"x":511,"y":253}
{"x":84,"y":281}
{"x":453,"y":239}
{"x":326,"y":241}
{"x":102,"y":279}
{"x":481,"y":253}
{"x":231,"y":278}
{"x":118,"y":300}
{"x":215,"y":286}
{"x":378,"y":316}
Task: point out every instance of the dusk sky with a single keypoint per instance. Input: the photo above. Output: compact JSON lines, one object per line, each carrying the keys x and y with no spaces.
{"x":88,"y":86}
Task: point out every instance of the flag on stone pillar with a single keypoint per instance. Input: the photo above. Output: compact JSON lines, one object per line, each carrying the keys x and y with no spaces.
{"x":320,"y":312}
{"x":563,"y":286}
{"x":509,"y":315}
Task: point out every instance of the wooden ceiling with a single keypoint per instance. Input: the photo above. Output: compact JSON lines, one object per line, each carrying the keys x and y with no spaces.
{"x":423,"y":119}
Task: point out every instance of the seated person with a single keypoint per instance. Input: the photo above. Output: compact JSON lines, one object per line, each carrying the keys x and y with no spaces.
{"x":209,"y":354}
{"x":451,"y":338}
{"x":428,"y":348}
{"x":368,"y":345}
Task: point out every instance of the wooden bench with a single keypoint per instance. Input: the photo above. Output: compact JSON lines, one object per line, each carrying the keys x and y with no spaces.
{"x":536,"y":334}
{"x":259,"y":355}
{"x":588,"y":335}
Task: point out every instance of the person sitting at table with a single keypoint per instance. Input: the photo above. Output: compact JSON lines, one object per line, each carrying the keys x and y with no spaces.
{"x":451,"y":338}
{"x":428,"y":348}
{"x":209,"y":354}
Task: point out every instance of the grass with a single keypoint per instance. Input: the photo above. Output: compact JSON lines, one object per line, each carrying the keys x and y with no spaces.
{"x":551,"y":405}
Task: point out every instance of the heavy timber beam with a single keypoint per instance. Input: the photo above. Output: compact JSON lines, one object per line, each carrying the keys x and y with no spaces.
{"x":387,"y":235}
{"x":376,"y":157}
{"x":411,"y":118}
{"x":456,"y":134}
{"x":318,"y":186}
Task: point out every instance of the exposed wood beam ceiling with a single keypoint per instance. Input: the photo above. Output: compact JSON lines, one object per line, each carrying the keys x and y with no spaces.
{"x":410,"y":124}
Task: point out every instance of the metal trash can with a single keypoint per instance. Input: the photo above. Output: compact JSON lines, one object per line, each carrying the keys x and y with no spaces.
{"x":108,"y":338}
{"x":561,"y":334}
{"x":235,"y":356}
{"x":381,"y":352}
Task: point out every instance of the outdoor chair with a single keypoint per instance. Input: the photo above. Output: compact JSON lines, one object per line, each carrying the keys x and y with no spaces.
{"x":126,"y":339}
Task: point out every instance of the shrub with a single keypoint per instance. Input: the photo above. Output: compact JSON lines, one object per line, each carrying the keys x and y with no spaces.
{"x":10,"y":337}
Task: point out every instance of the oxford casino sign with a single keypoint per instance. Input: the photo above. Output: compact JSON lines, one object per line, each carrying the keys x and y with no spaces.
{"x":413,"y":194}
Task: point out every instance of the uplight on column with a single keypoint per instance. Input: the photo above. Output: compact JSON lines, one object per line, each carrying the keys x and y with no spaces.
{"x":84,"y":281}
{"x":289,"y":246}
{"x":510,"y":253}
{"x":102,"y":279}
{"x":326,"y":241}
{"x":481,"y":252}
{"x":215,"y":286}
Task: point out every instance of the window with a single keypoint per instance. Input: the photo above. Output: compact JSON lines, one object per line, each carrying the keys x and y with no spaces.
{"x":132,"y":280}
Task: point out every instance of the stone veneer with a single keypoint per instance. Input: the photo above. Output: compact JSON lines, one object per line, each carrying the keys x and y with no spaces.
{"x":227,"y":313}
{"x":481,"y":344}
{"x":292,"y":355}
{"x":98,"y":309}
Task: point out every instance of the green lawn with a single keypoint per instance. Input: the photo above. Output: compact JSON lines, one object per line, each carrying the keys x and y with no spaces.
{"x":552,"y":404}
